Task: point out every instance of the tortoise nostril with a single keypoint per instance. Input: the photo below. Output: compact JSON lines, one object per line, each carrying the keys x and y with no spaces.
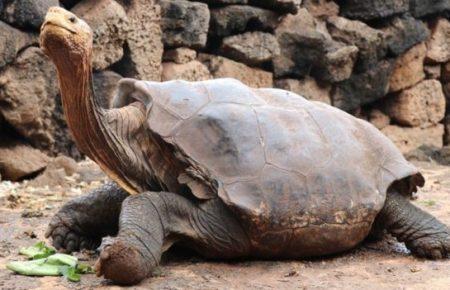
{"x":73,"y":19}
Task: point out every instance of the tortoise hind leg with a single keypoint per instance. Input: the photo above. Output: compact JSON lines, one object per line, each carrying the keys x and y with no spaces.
{"x":423,"y":234}
{"x":151,"y":222}
{"x":82,"y":222}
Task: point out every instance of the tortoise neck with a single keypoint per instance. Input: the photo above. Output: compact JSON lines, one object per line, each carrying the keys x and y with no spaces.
{"x":86,"y":119}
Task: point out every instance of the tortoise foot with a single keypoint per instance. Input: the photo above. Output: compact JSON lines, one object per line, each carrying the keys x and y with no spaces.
{"x":122,"y":263}
{"x":67,"y":234}
{"x":431,"y":247}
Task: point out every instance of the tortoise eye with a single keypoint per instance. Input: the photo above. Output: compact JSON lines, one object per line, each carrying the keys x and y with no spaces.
{"x":72,"y":19}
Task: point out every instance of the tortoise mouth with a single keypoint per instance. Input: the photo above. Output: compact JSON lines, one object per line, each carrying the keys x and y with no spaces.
{"x":50,"y":24}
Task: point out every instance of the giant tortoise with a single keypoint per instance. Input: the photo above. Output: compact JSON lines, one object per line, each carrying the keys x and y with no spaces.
{"x":224,"y":169}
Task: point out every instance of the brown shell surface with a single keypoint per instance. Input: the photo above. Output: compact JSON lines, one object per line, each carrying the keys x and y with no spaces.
{"x":280,"y":162}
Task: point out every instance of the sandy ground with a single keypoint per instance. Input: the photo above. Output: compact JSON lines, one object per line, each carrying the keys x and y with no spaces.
{"x":26,"y":208}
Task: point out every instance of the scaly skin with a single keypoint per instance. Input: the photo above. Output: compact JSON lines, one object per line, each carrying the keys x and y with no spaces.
{"x":151,"y":222}
{"x":423,"y":234}
{"x":82,"y":222}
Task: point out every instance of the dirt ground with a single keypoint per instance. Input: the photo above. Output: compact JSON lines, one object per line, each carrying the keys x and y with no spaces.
{"x":25,"y":210}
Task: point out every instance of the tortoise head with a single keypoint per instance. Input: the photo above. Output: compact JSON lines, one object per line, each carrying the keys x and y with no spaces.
{"x":65,"y":37}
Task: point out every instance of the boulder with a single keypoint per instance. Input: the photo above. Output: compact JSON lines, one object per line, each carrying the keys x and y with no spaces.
{"x":184,"y":23}
{"x":420,"y":8}
{"x":420,"y":106}
{"x":369,"y":41}
{"x":321,"y":8}
{"x":307,"y":87}
{"x":378,"y":118}
{"x":236,"y":19}
{"x":446,"y":72}
{"x":285,"y":6}
{"x":300,"y":49}
{"x":337,"y":63}
{"x":252,"y":48}
{"x":221,"y":67}
{"x":190,"y":71}
{"x":108,"y":20}
{"x":56,"y":173}
{"x":432,"y":71}
{"x":373,"y":9}
{"x":27,"y":14}
{"x":144,"y":47}
{"x":19,"y":160}
{"x":409,"y":139}
{"x":439,"y":43}
{"x":408,"y":69}
{"x":403,"y":32}
{"x":180,"y":55}
{"x":363,"y":88}
{"x":105,"y":86}
{"x":12,"y":41}
{"x":27,"y":93}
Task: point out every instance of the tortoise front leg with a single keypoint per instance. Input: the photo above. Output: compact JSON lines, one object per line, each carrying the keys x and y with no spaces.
{"x":151,"y":222}
{"x":422,"y":233}
{"x":82,"y":222}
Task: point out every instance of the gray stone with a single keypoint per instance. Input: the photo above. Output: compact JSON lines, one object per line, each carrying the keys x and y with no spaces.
{"x":420,"y":8}
{"x":252,"y":48}
{"x":373,"y":9}
{"x":236,"y":19}
{"x":180,"y":55}
{"x":27,"y":92}
{"x":26,"y":13}
{"x":12,"y":41}
{"x":105,"y":85}
{"x":439,"y":43}
{"x":404,"y":32}
{"x":363,"y":88}
{"x":184,"y":23}
{"x":144,"y":47}
{"x":321,"y":8}
{"x":284,"y":6}
{"x":300,"y":49}
{"x":432,"y":71}
{"x":308,"y":88}
{"x":108,"y":20}
{"x":190,"y":71}
{"x":337,"y":63}
{"x":369,"y":41}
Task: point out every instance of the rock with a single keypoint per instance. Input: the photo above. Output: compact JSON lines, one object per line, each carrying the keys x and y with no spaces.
{"x":408,"y":69}
{"x":12,"y":41}
{"x":403,"y":32}
{"x":20,"y":160}
{"x":236,"y":19}
{"x":337,"y":63}
{"x":369,"y":41}
{"x":439,"y":43}
{"x":184,"y":23}
{"x":409,"y":139}
{"x":420,"y":8}
{"x":421,"y":105}
{"x":252,"y":48}
{"x":221,"y":67}
{"x":27,"y":14}
{"x":446,"y":122}
{"x":446,"y":89}
{"x":68,"y":4}
{"x":191,"y":71}
{"x":363,"y":88}
{"x":56,"y":172}
{"x":373,"y":9}
{"x":307,"y":87}
{"x":446,"y":72}
{"x":109,"y":22}
{"x":432,"y":71}
{"x":27,"y":93}
{"x":144,"y":47}
{"x":221,"y":2}
{"x":321,"y":8}
{"x":105,"y":86}
{"x":290,"y":6}
{"x":180,"y":55}
{"x":378,"y":118}
{"x":300,"y":49}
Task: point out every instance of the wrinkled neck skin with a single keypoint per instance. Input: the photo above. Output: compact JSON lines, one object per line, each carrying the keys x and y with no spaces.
{"x":89,"y":123}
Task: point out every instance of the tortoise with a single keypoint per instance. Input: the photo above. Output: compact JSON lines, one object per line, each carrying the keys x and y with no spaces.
{"x":224,"y":169}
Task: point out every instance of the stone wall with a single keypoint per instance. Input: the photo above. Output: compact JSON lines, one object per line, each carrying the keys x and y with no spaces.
{"x":385,"y":61}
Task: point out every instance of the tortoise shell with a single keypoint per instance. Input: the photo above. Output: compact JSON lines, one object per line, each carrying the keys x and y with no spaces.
{"x":279,"y":161}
